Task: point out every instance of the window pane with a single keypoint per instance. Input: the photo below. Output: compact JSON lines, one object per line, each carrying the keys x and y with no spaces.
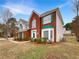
{"x":34,"y":24}
{"x":45,"y":34}
{"x":47,"y":19}
{"x":33,"y":35}
{"x":51,"y":34}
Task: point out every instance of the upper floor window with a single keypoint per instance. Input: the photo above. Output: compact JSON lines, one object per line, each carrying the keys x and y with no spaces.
{"x":21,"y":26}
{"x":34,"y":24}
{"x":47,"y":19}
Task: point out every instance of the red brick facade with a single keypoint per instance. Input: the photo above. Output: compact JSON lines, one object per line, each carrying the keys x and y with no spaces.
{"x":27,"y":34}
{"x":41,"y":24}
{"x":38,"y":24}
{"x":53,"y":23}
{"x":40,"y":28}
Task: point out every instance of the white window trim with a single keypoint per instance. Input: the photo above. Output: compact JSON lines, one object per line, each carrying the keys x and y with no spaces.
{"x":34,"y":23}
{"x":32,"y":34}
{"x":48,"y":33}
{"x":47,"y":19}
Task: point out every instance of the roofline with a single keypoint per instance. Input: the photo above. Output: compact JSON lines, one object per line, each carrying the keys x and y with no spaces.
{"x":35,"y":12}
{"x":60,"y":16}
{"x":51,"y":11}
{"x":48,"y":12}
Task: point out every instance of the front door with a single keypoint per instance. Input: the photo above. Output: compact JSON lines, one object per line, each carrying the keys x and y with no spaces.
{"x":33,"y":34}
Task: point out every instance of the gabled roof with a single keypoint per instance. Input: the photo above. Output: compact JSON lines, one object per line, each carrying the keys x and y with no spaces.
{"x":23,"y":21}
{"x":34,"y":12}
{"x":49,"y":12}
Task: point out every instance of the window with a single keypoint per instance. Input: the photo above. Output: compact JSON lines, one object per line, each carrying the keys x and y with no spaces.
{"x":21,"y":26}
{"x":34,"y":24}
{"x":45,"y":34}
{"x":47,"y":19}
{"x":50,"y":34}
{"x":33,"y":35}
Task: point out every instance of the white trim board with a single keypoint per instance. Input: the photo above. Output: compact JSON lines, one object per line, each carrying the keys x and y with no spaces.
{"x":32,"y":33}
{"x":49,"y":29}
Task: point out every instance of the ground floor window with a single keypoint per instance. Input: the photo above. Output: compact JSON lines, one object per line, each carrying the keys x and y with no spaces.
{"x":48,"y":33}
{"x":45,"y":34}
{"x":51,"y":34}
{"x":33,"y":34}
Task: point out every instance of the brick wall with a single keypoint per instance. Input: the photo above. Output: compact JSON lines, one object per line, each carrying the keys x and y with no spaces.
{"x":27,"y":34}
{"x":36,"y":17}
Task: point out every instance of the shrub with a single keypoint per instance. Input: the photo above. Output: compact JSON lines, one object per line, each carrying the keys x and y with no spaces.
{"x":41,"y":40}
{"x":63,"y":40}
{"x":38,"y":40}
{"x":17,"y":39}
{"x":49,"y":41}
{"x":33,"y":40}
{"x":24,"y":39}
{"x":44,"y":40}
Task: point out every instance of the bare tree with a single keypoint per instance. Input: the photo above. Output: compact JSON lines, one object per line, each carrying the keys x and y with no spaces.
{"x":6,"y":15}
{"x":76,"y":7}
{"x":12,"y":26}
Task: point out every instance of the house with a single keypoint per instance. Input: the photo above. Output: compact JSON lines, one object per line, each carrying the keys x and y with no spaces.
{"x":23,"y":27}
{"x":47,"y":25}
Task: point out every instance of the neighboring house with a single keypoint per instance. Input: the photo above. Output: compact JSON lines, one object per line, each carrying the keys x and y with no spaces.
{"x":47,"y":25}
{"x":23,"y":27}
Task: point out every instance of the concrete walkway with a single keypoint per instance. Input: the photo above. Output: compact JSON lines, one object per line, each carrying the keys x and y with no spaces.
{"x":11,"y":40}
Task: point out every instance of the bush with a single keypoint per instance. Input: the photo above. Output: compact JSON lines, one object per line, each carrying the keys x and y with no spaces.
{"x":63,"y":40}
{"x":39,"y":40}
{"x":17,"y":39}
{"x":33,"y":40}
{"x":49,"y":41}
{"x":27,"y":39}
{"x":44,"y":40}
{"x":24,"y":39}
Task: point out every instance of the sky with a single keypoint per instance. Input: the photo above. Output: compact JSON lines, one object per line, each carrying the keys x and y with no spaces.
{"x":23,"y":8}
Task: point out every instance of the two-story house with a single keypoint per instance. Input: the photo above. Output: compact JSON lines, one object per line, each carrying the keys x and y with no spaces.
{"x":47,"y":25}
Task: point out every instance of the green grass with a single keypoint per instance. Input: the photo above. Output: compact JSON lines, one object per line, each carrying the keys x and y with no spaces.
{"x":36,"y":53}
{"x":62,"y":50}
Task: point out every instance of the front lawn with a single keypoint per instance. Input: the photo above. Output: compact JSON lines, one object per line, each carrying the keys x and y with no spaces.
{"x":28,"y":50}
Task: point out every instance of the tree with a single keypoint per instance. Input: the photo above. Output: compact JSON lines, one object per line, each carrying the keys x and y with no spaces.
{"x":2,"y":30}
{"x":75,"y":22}
{"x":68,"y":26}
{"x":76,"y":6}
{"x":12,"y":26}
{"x":75,"y":27}
{"x":6,"y":14}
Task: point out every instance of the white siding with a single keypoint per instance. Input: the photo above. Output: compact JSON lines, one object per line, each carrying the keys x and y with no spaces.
{"x":24,"y":26}
{"x":59,"y":28}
